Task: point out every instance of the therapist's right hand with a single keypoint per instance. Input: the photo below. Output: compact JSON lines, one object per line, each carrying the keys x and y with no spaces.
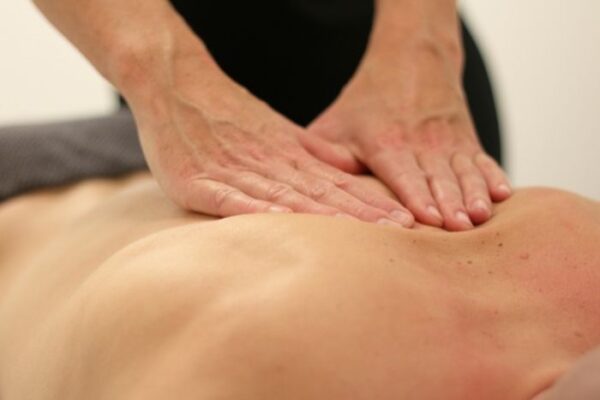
{"x":221,"y":151}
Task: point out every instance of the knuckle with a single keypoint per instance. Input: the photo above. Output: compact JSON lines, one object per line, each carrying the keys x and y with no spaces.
{"x":447,"y":191}
{"x":479,"y":184}
{"x":392,"y":137}
{"x":485,"y":161}
{"x":366,"y":213}
{"x":466,"y":176}
{"x":461,"y":162}
{"x":253,"y":205}
{"x":320,"y":190}
{"x":278,"y":191}
{"x":411,"y":176}
{"x":221,"y":196}
{"x":486,"y":168}
{"x":447,"y":179}
{"x":342,"y":181}
{"x":300,"y":161}
{"x":475,"y":191}
{"x":451,"y":201}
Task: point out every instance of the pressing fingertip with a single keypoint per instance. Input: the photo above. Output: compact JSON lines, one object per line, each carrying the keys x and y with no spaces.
{"x":389,"y":222}
{"x":406,"y":219}
{"x":434,"y":213}
{"x":480,"y":211}
{"x":464,"y":219}
{"x":503,"y":191}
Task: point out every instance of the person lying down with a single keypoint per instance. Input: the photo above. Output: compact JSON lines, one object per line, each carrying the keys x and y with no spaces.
{"x":109,"y":291}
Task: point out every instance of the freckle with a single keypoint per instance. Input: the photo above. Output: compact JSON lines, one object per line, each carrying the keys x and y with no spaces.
{"x":391,"y":260}
{"x":500,"y":244}
{"x":414,"y":241}
{"x":497,"y":234}
{"x":496,"y":312}
{"x":578,"y":334}
{"x":469,"y":262}
{"x":482,"y":242}
{"x":524,"y":256}
{"x":490,"y":272}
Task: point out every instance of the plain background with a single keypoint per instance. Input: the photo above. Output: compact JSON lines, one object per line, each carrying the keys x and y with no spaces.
{"x":544,"y":56}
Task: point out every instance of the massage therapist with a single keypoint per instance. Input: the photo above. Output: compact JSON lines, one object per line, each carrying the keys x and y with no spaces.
{"x":272,"y":106}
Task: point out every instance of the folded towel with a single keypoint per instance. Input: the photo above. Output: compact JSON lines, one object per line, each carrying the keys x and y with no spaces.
{"x":46,"y":155}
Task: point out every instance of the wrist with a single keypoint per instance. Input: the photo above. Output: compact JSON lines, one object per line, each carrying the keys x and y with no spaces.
{"x":149,"y":68}
{"x":415,"y":49}
{"x":417,"y":26}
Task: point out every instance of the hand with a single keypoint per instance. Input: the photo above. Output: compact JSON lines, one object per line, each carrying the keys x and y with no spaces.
{"x":220,"y":151}
{"x":404,"y":117}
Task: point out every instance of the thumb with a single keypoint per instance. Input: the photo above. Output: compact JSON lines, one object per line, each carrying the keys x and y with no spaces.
{"x":334,"y":154}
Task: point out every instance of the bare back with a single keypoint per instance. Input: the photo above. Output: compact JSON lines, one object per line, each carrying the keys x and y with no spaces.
{"x":99,"y":274}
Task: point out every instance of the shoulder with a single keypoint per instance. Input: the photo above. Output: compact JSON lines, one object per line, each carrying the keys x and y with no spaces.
{"x":553,"y":205}
{"x":551,"y":195}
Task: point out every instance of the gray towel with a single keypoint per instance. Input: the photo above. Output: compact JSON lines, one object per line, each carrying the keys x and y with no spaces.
{"x":46,"y":155}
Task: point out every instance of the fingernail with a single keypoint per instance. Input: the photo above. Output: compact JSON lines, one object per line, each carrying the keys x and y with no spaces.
{"x":403,"y":217}
{"x":504,"y":189}
{"x":279,"y":209}
{"x":479,"y":204}
{"x":389,"y":222}
{"x":464,"y":218}
{"x":434,"y":212}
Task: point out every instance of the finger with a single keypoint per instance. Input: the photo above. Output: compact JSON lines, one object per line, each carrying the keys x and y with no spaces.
{"x":325,"y":192}
{"x":333,"y":154}
{"x":474,"y":188}
{"x":358,"y":189}
{"x":215,"y":198}
{"x":401,"y":173}
{"x":497,"y":182}
{"x":446,"y":191}
{"x":279,"y":193}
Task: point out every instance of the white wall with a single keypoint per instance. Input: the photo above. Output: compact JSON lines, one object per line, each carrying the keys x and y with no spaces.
{"x":41,"y":75}
{"x":545,"y":60}
{"x":544,"y":56}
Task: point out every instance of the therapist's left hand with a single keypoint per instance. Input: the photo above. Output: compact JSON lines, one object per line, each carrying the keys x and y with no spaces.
{"x":404,"y":117}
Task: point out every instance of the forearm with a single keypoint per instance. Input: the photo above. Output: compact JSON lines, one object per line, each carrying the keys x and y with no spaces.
{"x":432,"y":25}
{"x":143,"y":47}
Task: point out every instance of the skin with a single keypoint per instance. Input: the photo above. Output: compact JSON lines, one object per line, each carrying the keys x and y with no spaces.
{"x":581,"y":382}
{"x":216,"y":149}
{"x":404,"y":117}
{"x":108,"y":290}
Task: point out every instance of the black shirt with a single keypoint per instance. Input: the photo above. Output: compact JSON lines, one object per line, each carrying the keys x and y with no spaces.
{"x":294,"y":54}
{"x":298,"y":54}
